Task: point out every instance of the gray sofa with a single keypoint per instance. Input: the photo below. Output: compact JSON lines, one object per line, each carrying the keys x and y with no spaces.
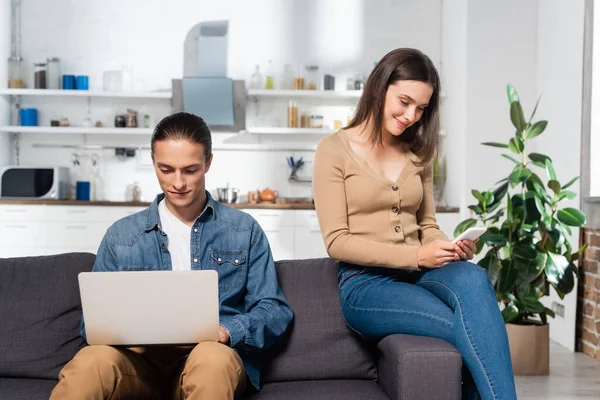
{"x":319,"y":358}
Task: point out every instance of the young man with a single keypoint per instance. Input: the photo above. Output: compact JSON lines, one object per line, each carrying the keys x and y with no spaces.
{"x":185,"y":228}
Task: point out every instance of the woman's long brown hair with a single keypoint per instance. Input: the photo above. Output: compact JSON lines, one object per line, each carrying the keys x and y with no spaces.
{"x":402,"y":64}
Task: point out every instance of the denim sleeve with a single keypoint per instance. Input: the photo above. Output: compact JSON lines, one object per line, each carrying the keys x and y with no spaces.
{"x":268,"y":313}
{"x":106,"y":260}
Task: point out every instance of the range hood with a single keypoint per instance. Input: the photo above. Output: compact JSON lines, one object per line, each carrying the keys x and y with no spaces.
{"x":205,"y":89}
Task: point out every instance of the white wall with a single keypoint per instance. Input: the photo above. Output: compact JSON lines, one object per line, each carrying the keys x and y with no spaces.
{"x":560,"y":27}
{"x":91,"y":37}
{"x":454,"y":115}
{"x":501,"y":49}
{"x":4,"y":54}
{"x":595,"y":113}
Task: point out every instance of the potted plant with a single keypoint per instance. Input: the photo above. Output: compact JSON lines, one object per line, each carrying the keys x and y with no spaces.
{"x":526,"y":247}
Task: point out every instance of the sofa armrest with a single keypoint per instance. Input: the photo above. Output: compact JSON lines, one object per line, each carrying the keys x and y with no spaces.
{"x":416,"y":367}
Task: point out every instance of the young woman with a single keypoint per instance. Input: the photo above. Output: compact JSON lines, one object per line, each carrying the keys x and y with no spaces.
{"x":398,"y":273}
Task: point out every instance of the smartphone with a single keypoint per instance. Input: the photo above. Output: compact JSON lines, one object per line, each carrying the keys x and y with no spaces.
{"x":471,"y":234}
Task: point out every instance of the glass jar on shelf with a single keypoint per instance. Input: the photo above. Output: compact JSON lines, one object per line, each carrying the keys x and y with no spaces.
{"x":53,"y":73}
{"x":313,"y":77}
{"x":316,"y":121}
{"x":39,"y":75}
{"x":329,"y":79}
{"x":15,"y":73}
{"x":299,"y":79}
{"x":287,"y":78}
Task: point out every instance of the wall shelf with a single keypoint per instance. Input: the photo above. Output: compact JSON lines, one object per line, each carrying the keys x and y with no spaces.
{"x":77,"y":130}
{"x":85,"y":93}
{"x":315,"y":94}
{"x":289,"y":131}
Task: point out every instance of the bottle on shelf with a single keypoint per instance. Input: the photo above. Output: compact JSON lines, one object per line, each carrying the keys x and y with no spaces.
{"x":292,"y":114}
{"x":15,"y":73}
{"x":257,"y":80}
{"x":269,"y":78}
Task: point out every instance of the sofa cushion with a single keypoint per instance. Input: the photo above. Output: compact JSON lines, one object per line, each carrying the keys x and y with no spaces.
{"x":321,"y":390}
{"x":40,"y":310}
{"x":319,"y":344}
{"x":26,"y":389}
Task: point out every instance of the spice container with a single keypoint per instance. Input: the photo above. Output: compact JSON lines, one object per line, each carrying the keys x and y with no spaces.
{"x":313,"y":77}
{"x":305,"y":120}
{"x":316,"y":121}
{"x":292,"y":114}
{"x":53,"y":74}
{"x":299,"y":79}
{"x":15,"y":77}
{"x":256,"y":81}
{"x":39,"y":75}
{"x":287,"y":79}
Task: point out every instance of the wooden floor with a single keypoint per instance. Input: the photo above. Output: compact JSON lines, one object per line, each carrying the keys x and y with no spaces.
{"x":572,"y":376}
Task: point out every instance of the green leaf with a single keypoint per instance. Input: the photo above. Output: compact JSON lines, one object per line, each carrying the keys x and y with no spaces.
{"x":488,"y":198}
{"x":478,"y":210}
{"x":477,"y":194}
{"x":530,"y":268}
{"x":516,"y":145}
{"x":550,"y":312}
{"x":495,"y":144}
{"x":571,"y":216}
{"x":535,"y":108}
{"x":533,"y":305}
{"x":463,"y":226}
{"x":572,"y":181}
{"x":496,"y":217}
{"x":512,"y":94}
{"x":567,"y":194}
{"x":517,"y":117}
{"x":550,"y":170}
{"x":554,"y":185}
{"x":536,"y":129}
{"x":510,"y":158}
{"x":559,"y":274}
{"x":537,"y":157}
{"x":510,"y":313}
{"x":507,"y":279}
{"x":519,"y":175}
{"x":494,"y":237}
{"x":492,"y":266}
{"x":575,"y":256}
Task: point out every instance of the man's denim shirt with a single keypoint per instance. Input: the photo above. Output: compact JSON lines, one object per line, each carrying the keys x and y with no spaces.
{"x":252,"y":306}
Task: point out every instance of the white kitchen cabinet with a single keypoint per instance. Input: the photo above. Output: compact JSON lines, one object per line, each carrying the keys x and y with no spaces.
{"x":31,"y":230}
{"x":281,"y":241}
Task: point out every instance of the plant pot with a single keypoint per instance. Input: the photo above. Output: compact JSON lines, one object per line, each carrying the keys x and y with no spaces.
{"x":529,"y":348}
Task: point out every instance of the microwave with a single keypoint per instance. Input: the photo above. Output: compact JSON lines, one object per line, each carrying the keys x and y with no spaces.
{"x":21,"y":182}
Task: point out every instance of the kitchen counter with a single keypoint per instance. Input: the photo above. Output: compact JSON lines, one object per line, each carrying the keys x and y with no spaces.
{"x":271,"y":206}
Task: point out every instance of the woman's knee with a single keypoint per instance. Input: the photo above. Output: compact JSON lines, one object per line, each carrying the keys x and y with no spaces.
{"x":469,"y":276}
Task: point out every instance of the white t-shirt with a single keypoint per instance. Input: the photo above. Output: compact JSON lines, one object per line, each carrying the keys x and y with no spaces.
{"x":179,"y":235}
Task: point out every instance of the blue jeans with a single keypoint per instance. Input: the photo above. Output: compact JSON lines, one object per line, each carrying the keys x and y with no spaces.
{"x":455,"y":303}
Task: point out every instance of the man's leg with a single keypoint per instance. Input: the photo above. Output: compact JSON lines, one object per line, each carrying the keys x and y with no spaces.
{"x":212,"y":371}
{"x":105,"y":372}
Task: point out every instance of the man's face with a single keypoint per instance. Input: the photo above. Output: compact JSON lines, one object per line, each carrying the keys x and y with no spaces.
{"x":180,"y":168}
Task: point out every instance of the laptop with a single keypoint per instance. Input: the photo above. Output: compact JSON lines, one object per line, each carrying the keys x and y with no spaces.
{"x":150,"y":307}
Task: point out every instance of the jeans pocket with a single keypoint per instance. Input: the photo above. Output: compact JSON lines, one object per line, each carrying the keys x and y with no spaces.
{"x":349,"y":275}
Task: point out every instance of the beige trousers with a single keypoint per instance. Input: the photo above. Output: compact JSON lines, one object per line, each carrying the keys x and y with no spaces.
{"x":207,"y":371}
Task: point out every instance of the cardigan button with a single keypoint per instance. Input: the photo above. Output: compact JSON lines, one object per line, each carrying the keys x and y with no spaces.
{"x":397,"y":229}
{"x":395,"y":188}
{"x":395,"y":210}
